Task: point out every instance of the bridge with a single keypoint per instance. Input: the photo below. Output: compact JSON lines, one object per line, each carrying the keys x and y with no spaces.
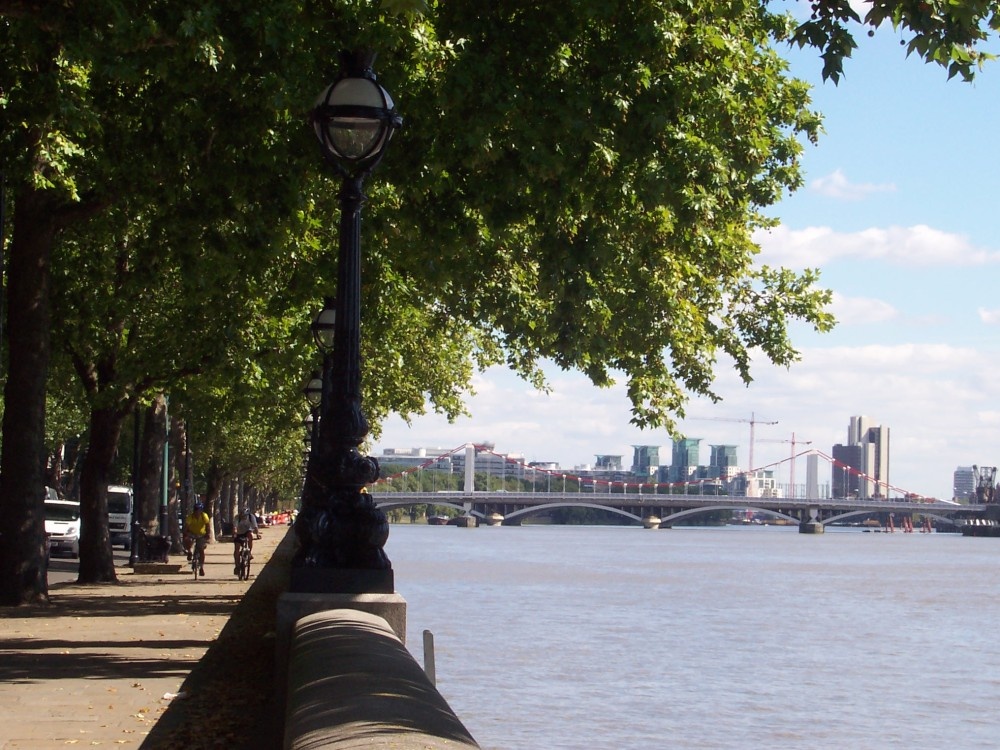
{"x":665,"y":510}
{"x":651,"y":504}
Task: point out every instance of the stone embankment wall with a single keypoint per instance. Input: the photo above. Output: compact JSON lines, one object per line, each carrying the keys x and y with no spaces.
{"x":352,"y":683}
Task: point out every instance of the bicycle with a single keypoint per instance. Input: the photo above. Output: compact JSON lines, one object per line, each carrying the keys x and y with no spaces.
{"x":243,"y":564}
{"x":198,"y":557}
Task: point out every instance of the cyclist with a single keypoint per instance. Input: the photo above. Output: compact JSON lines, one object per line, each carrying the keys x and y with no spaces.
{"x":196,"y":526}
{"x":246,"y":528}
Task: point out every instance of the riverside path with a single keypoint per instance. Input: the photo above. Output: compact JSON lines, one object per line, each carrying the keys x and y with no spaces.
{"x":155,"y":661}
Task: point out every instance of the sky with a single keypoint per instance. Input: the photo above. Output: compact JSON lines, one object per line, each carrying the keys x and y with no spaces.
{"x":899,"y":212}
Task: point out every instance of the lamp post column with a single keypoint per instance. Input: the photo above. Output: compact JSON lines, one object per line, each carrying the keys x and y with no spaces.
{"x":340,"y":530}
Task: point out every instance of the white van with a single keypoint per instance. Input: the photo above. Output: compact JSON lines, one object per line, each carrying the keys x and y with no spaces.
{"x":62,"y":524}
{"x":121,"y":504}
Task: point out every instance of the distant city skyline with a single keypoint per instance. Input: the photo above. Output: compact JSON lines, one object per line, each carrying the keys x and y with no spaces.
{"x":900,"y":221}
{"x":862,"y":468}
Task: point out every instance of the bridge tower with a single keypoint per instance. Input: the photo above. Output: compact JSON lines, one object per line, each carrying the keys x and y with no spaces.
{"x":470,"y":469}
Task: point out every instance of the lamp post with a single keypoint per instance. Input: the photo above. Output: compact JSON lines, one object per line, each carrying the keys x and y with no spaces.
{"x":340,"y":531}
{"x":313,"y":392}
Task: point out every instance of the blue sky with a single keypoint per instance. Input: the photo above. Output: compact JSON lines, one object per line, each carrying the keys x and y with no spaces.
{"x":900,"y":213}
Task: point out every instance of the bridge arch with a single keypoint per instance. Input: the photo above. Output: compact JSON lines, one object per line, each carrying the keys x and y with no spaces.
{"x":673,"y":517}
{"x":852,"y":514}
{"x":524,"y":512}
{"x":388,"y":504}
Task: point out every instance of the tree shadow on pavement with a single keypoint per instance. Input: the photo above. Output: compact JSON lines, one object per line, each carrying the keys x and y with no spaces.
{"x":33,"y":659}
{"x":110,"y":606}
{"x":227,"y":701}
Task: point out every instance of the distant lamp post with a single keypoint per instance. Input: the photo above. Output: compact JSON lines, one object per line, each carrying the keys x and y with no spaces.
{"x":314,"y":390}
{"x":323,"y":325}
{"x":341,"y":532}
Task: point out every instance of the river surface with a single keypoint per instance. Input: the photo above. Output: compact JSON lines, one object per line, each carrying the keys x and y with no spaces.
{"x":760,"y":637}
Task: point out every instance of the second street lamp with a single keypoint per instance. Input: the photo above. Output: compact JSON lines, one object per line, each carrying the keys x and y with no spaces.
{"x":341,"y":532}
{"x":324,"y":325}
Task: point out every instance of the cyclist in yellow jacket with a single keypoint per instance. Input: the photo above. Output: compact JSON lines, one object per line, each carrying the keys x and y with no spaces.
{"x":196,"y":526}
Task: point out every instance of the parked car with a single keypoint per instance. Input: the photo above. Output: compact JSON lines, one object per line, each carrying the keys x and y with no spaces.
{"x":120,"y":508}
{"x":62,"y":524}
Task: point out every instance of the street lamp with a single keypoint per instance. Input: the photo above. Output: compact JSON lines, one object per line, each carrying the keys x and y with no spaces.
{"x":314,"y":390}
{"x":324,"y":324}
{"x":341,"y":532}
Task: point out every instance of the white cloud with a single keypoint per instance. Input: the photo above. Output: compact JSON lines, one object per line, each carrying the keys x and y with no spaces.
{"x":990,"y":317}
{"x":918,"y":245}
{"x":861,"y":310}
{"x":837,"y":186}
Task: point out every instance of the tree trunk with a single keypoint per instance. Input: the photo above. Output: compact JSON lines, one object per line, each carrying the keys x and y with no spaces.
{"x":173,"y":514}
{"x":53,"y":468}
{"x":180,"y":504}
{"x":70,"y":485}
{"x":150,"y":489}
{"x":213,"y":490}
{"x":22,"y":481}
{"x":237,"y":498}
{"x":97,"y":563}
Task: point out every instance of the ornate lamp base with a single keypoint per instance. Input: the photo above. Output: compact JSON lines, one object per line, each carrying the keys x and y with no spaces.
{"x":341,"y":546}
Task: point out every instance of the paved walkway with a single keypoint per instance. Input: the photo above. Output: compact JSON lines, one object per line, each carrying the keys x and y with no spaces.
{"x":155,"y":661}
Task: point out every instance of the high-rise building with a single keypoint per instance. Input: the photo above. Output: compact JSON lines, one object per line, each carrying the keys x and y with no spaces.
{"x":645,"y":460}
{"x":722,"y":463}
{"x":964,"y":483}
{"x":847,"y":467}
{"x":684,"y":463}
{"x":867,"y":453}
{"x":685,"y":451}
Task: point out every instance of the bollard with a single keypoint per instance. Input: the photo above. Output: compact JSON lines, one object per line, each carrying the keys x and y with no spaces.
{"x":429,"y":669}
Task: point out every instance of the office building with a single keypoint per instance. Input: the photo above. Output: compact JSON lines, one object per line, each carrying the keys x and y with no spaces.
{"x":846,"y":470}
{"x":684,"y":463}
{"x":395,"y":460}
{"x":645,"y":460}
{"x":964,"y":483}
{"x":722,"y":463}
{"x":862,"y":468}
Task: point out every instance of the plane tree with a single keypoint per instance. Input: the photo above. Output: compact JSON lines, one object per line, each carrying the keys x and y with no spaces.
{"x":577,"y":185}
{"x":112,"y":114}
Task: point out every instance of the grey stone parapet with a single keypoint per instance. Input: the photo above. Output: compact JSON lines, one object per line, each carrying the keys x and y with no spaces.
{"x":352,"y":683}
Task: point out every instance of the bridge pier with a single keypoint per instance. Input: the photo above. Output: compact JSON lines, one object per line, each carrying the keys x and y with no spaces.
{"x":651,"y":522}
{"x":811,"y":524}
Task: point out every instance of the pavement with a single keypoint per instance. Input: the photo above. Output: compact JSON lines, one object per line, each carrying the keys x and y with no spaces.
{"x":156,"y":661}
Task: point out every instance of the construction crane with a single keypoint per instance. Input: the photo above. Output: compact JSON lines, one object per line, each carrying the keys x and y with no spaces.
{"x":794,"y":442}
{"x":985,"y":483}
{"x":753,"y":422}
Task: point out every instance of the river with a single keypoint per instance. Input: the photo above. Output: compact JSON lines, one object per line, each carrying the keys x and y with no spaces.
{"x":620,"y":638}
